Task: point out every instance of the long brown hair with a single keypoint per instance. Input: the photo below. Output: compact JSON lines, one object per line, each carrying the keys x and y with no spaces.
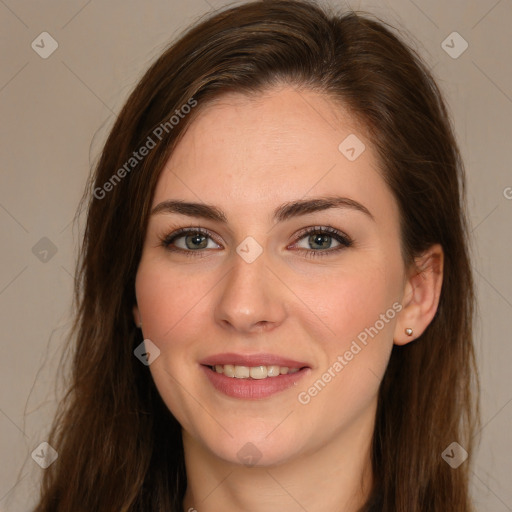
{"x":119,"y":446}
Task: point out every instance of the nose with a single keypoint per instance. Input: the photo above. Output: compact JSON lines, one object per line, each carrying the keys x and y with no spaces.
{"x":250,"y":298}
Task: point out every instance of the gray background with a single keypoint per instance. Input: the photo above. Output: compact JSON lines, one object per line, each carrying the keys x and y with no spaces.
{"x":56,"y":112}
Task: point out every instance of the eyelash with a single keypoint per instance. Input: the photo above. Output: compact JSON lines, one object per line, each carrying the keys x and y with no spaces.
{"x":344,"y":240}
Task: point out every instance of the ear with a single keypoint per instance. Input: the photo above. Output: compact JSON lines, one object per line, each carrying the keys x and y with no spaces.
{"x":136,"y":316}
{"x":421,"y":295}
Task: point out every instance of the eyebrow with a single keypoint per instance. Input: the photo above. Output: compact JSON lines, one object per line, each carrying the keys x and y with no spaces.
{"x":282,"y":213}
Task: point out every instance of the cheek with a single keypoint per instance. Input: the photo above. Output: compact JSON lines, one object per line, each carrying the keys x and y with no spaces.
{"x":349,"y":302}
{"x":172,"y":304}
{"x":357,"y":312}
{"x":167,"y":299}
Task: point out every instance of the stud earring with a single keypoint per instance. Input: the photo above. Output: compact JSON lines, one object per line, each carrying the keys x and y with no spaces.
{"x":408,"y":331}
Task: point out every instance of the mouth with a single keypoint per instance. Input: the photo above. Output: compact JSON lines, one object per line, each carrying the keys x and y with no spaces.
{"x":252,"y":377}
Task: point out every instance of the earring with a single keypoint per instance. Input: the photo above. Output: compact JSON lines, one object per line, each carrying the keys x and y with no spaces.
{"x":140,"y":326}
{"x":408,"y":331}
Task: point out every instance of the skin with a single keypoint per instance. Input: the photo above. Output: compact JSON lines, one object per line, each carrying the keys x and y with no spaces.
{"x":252,"y":154}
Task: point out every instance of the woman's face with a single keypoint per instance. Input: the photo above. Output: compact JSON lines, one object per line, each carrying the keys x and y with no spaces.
{"x":261,"y":288}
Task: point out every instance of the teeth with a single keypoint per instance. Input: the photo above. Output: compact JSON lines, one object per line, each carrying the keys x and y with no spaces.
{"x":242,"y":372}
{"x":258,"y":372}
{"x":229,"y":370}
{"x":254,"y":372}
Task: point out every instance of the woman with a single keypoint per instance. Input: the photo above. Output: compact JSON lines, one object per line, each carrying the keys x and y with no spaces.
{"x":275,"y":298}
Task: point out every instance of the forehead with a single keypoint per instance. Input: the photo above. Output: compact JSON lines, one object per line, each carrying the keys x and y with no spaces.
{"x":265,"y":149}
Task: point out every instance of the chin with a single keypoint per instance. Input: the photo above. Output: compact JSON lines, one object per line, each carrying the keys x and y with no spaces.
{"x":250,"y":447}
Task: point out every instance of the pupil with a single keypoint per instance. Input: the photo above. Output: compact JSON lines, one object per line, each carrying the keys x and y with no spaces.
{"x":320,"y":239}
{"x":197,"y":240}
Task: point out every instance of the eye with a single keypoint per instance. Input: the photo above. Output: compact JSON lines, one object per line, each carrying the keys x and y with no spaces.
{"x":322,"y":240}
{"x":189,"y":240}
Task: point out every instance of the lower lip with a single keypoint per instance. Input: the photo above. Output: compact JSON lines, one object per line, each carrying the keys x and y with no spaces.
{"x":252,"y":389}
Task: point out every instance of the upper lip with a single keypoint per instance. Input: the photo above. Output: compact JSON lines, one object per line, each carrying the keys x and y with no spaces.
{"x":251,"y":360}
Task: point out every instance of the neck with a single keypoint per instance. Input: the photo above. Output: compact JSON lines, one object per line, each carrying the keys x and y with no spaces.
{"x":336,"y":476}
